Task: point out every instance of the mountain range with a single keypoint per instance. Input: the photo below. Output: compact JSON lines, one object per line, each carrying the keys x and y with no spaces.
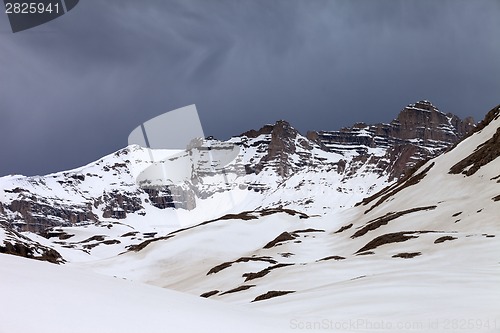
{"x":393,"y":224}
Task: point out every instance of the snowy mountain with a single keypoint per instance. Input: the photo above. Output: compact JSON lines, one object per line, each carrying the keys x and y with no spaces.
{"x":336,"y":169}
{"x":420,"y":253}
{"x":333,"y":230}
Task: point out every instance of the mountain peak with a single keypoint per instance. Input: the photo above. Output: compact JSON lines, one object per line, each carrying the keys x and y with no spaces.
{"x":423,"y":105}
{"x":422,"y":120}
{"x":419,"y":132}
{"x":279,"y":127}
{"x":279,"y":141}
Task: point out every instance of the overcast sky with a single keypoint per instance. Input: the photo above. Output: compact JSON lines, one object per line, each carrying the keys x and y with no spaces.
{"x":72,"y":90}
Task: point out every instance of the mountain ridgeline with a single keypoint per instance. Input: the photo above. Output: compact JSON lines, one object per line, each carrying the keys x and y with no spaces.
{"x":419,"y":132}
{"x":348,"y":165}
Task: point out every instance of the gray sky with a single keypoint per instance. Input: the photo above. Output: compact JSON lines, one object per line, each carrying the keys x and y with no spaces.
{"x":72,"y":90}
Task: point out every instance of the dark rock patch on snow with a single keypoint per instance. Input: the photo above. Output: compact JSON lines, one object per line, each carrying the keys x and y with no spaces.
{"x":283,"y":237}
{"x":407,"y":255}
{"x":265,"y":271}
{"x":395,"y":237}
{"x":240,"y":288}
{"x":484,"y":154}
{"x":141,"y":246}
{"x":331,"y":258}
{"x":209,"y":293}
{"x":444,"y":239}
{"x":225,"y":265}
{"x":380,"y":221}
{"x":272,"y":294}
{"x":307,"y":230}
{"x":106,"y":242}
{"x":365,"y":253}
{"x":343,"y":228}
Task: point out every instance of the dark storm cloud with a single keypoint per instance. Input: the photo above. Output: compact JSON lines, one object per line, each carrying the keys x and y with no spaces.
{"x":73,"y":89}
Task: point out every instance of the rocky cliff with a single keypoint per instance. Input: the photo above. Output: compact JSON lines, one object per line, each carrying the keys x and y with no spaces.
{"x":419,"y":132}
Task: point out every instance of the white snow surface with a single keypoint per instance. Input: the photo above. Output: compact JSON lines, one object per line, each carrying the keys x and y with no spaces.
{"x":447,"y":286}
{"x":41,"y":297}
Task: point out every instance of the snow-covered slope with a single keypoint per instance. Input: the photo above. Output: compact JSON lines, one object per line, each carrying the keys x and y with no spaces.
{"x":41,"y":297}
{"x":276,"y":232}
{"x":422,"y":252}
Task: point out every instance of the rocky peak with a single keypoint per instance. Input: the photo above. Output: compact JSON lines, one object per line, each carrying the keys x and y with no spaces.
{"x":280,"y":142}
{"x":252,"y":134}
{"x":422,"y":120}
{"x":419,"y":132}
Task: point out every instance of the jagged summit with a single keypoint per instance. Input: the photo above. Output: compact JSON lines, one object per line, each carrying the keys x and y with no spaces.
{"x":419,"y":121}
{"x":420,"y":131}
{"x":280,"y":142}
{"x":424,"y":121}
{"x":424,"y":105}
{"x":268,"y":129}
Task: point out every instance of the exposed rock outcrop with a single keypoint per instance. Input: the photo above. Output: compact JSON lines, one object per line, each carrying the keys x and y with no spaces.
{"x":37,"y":214}
{"x":118,"y":204}
{"x":419,"y":132}
{"x":280,"y":148}
{"x":485,"y":153}
{"x":17,"y":244}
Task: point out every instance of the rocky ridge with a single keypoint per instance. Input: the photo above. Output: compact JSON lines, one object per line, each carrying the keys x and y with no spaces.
{"x":344,"y":166}
{"x":419,"y":132}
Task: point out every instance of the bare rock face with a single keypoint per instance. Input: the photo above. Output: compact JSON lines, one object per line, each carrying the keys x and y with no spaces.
{"x":281,"y":146}
{"x":485,"y":153}
{"x":118,"y":204}
{"x":17,"y":244}
{"x":37,"y":215}
{"x":423,"y":120}
{"x":419,"y":132}
{"x":283,"y":149}
{"x":267,"y":129}
{"x":160,"y":198}
{"x":282,"y":140}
